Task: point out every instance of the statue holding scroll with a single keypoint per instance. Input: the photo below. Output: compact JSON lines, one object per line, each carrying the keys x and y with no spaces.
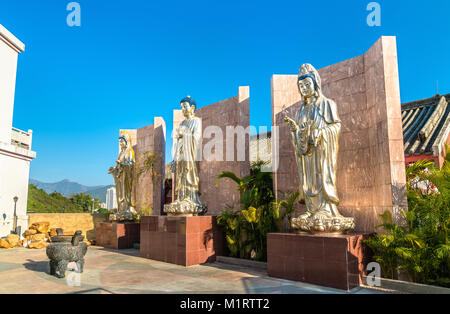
{"x":123,"y":173}
{"x":315,"y":136}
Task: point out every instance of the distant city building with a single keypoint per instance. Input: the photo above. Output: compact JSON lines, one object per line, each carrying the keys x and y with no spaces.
{"x":103,"y":205}
{"x":15,"y":144}
{"x":111,"y":200}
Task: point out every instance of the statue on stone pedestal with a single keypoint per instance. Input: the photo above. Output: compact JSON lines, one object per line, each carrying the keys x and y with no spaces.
{"x":315,"y":136}
{"x":123,"y":173}
{"x":187,"y":142}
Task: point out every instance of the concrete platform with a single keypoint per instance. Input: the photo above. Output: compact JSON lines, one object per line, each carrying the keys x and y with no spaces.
{"x":117,"y":236}
{"x":330,"y":260}
{"x":183,"y":241}
{"x":123,"y":271}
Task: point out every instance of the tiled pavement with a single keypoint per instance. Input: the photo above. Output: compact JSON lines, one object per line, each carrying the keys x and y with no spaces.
{"x":109,"y":271}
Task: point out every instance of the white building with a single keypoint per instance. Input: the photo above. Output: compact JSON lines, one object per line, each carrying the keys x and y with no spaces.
{"x":261,"y":149}
{"x":15,"y":145}
{"x":111,"y":200}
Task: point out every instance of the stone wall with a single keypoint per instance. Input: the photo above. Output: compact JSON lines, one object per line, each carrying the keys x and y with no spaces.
{"x":231,"y":112}
{"x":371,"y":171}
{"x":148,"y":141}
{"x":70,"y":222}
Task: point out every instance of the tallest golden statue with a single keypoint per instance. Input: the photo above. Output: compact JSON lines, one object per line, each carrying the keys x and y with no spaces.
{"x":315,"y":136}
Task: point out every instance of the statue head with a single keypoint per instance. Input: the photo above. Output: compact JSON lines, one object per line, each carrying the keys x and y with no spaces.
{"x":308,"y":82}
{"x":124,"y":140}
{"x":188,"y":106}
{"x":126,"y":146}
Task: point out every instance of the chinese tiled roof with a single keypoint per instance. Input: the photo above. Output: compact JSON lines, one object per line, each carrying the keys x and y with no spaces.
{"x":426,"y":125}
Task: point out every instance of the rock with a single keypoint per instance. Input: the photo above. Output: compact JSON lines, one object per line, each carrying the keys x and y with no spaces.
{"x":53,"y":232}
{"x":38,"y":237}
{"x":40,"y":227}
{"x":13,"y":239}
{"x":4,"y":244}
{"x":37,"y":245}
{"x":30,"y":232}
{"x":26,"y":241}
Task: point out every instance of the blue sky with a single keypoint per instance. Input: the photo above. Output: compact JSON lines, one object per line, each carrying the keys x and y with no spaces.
{"x":133,"y":60}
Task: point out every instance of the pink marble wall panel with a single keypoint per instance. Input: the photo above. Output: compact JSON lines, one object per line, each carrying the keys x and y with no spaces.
{"x":150,"y":140}
{"x":371,"y":173}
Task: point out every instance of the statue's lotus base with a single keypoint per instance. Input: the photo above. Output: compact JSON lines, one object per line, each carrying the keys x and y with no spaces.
{"x":319,"y":223}
{"x":126,"y":216}
{"x":115,"y":235}
{"x":183,"y":241}
{"x":184,"y":208}
{"x":330,"y":260}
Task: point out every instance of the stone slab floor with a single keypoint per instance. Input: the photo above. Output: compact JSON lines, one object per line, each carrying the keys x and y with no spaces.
{"x":109,"y":271}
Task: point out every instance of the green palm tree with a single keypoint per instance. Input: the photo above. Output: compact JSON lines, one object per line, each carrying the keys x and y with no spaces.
{"x":246,"y":229}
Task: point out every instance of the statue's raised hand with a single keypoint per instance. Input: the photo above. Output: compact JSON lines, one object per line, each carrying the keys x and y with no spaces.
{"x":291,"y":123}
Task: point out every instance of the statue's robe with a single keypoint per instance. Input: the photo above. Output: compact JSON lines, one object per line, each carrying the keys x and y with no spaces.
{"x":123,"y":180}
{"x":187,"y":149}
{"x":317,"y":164}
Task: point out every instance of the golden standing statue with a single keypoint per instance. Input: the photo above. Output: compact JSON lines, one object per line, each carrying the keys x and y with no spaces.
{"x":123,"y":173}
{"x":315,"y":135}
{"x":187,"y":142}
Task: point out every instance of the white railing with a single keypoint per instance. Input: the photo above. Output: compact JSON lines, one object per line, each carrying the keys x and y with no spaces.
{"x":21,"y":138}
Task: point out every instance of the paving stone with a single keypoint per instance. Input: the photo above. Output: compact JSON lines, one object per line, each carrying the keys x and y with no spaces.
{"x":107,"y":271}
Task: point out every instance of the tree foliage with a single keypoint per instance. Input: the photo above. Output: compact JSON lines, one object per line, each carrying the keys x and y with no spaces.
{"x":40,"y":201}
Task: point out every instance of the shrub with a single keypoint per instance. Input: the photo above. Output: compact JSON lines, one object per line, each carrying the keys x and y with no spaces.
{"x":246,"y":229}
{"x":420,"y":246}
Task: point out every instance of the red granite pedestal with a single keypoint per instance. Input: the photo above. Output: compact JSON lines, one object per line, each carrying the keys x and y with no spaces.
{"x":183,"y":241}
{"x":116,"y":235}
{"x":336,"y":261}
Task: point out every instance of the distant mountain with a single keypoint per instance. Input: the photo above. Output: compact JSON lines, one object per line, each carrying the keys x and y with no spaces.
{"x":67,"y":188}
